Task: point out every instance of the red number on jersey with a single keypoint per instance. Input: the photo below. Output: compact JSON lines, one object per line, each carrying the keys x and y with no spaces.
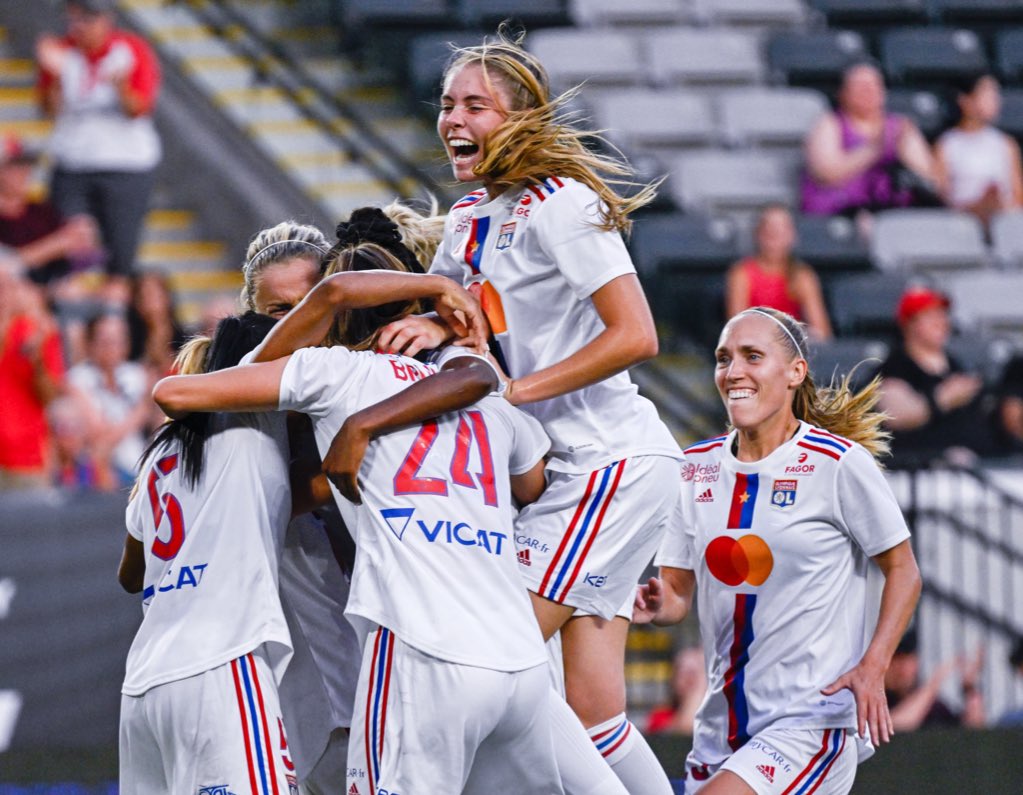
{"x":168,"y":506}
{"x":473,"y":428}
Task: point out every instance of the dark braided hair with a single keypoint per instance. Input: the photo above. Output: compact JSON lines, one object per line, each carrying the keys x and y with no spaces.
{"x":371,"y":225}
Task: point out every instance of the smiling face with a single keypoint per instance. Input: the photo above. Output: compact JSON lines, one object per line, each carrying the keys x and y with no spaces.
{"x":755,"y":373}
{"x":281,"y":286}
{"x":471,"y":108}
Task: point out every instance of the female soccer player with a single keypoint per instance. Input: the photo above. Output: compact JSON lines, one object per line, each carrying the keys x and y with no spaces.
{"x":453,"y":690}
{"x":786,"y":519}
{"x":541,"y":244}
{"x":199,"y":709}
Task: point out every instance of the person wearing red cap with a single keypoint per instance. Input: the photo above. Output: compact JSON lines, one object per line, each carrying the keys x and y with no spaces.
{"x":933,"y":402}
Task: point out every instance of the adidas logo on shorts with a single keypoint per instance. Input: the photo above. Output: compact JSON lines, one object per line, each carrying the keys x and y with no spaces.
{"x":767,"y":771}
{"x":353,"y":790}
{"x":707,"y":496}
{"x":524,"y":557}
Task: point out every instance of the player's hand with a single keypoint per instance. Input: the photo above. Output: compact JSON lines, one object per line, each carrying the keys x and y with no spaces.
{"x":867,"y":685}
{"x":413,"y":334}
{"x":462,"y":311}
{"x":649,"y":600}
{"x":343,"y":459}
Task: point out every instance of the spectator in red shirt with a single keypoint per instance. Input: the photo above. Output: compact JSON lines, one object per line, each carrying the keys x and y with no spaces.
{"x":100,"y":84}
{"x":31,"y":375}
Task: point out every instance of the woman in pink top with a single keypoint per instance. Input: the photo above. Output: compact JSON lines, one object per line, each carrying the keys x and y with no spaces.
{"x":773,"y":277}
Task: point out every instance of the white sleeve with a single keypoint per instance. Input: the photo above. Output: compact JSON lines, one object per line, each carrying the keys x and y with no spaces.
{"x":444,"y":262}
{"x":529,"y":441}
{"x":587,"y":256}
{"x":315,"y":379}
{"x":449,"y":353}
{"x":678,"y":547}
{"x":865,"y":506}
{"x":132,"y":517}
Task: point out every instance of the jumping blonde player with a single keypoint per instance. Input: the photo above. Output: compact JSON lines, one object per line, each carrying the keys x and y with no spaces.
{"x":453,"y":690}
{"x":786,"y":521}
{"x":541,"y":244}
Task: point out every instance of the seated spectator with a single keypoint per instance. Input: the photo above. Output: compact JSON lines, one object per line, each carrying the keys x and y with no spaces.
{"x":978,"y":166}
{"x":688,"y":686}
{"x":31,"y":375}
{"x":773,"y":277}
{"x":156,"y":336}
{"x":43,"y":241}
{"x":100,"y":85}
{"x":1010,"y":406}
{"x":73,"y":463}
{"x":1014,"y":717}
{"x":115,"y":395}
{"x":919,"y":706}
{"x":854,"y":155}
{"x":934,"y":403}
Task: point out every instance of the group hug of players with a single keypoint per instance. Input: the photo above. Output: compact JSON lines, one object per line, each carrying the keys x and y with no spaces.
{"x":504,"y":501}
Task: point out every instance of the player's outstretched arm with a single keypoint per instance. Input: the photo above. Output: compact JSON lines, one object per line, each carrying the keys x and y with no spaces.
{"x":866,"y":681}
{"x":308,"y":323}
{"x":462,"y":382}
{"x":248,"y":387}
{"x":666,"y":600}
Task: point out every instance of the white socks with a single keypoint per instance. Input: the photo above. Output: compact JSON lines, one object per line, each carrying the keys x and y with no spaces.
{"x":627,"y":752}
{"x":583,"y":772}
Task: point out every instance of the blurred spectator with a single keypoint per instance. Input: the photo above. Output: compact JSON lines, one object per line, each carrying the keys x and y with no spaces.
{"x":1014,"y":717}
{"x":73,"y":463}
{"x":919,"y":706}
{"x":43,"y":241}
{"x":933,"y":402}
{"x":862,"y":157}
{"x":774,"y":277}
{"x":978,"y":166}
{"x":31,"y":375}
{"x":1010,"y":406}
{"x":100,"y":84}
{"x":688,"y":686}
{"x":215,"y":310}
{"x":115,"y":395}
{"x":155,"y":334}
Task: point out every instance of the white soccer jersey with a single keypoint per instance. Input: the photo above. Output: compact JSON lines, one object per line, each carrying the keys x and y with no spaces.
{"x":540,"y":257}
{"x":781,"y":551}
{"x":210,"y":591}
{"x":436,"y":559}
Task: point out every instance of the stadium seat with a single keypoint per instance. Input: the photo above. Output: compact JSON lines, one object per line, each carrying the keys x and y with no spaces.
{"x":371,"y":13}
{"x":725,"y":181}
{"x":872,"y":13}
{"x":836,"y":358}
{"x":987,"y":302}
{"x":770,"y":115}
{"x":815,"y":59}
{"x":830,"y":244}
{"x":976,"y":12}
{"x":650,"y":118}
{"x":704,"y":56}
{"x":428,"y":55}
{"x":635,"y":12}
{"x":982,"y":354}
{"x":918,"y":240}
{"x":925,"y":108}
{"x":1011,"y":118}
{"x":604,"y":57}
{"x":487,"y":14}
{"x":670,"y":242}
{"x":1007,"y":240}
{"x":931,"y":54}
{"x":1009,"y":55}
{"x":864,"y":303}
{"x":751,"y":12}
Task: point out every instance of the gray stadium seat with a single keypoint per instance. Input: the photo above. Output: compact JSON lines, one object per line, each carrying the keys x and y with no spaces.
{"x":935,"y":54}
{"x":836,"y":358}
{"x":925,"y":108}
{"x":1007,"y":240}
{"x":634,"y":12}
{"x":1011,"y":118}
{"x":981,"y":354}
{"x":653,"y":119}
{"x":879,"y":13}
{"x":987,"y":302}
{"x":974,"y":12}
{"x":770,"y":115}
{"x":487,"y":14}
{"x":428,"y":54}
{"x":830,"y":244}
{"x":814,"y":59}
{"x":920,"y":240}
{"x":672,"y":242}
{"x":704,"y":56}
{"x":864,"y":303}
{"x":601,"y":57}
{"x":751,"y":12}
{"x":1009,"y":55}
{"x":723,"y":181}
{"x":360,"y":13}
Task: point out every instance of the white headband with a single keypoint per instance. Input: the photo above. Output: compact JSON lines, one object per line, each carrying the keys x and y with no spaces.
{"x":791,"y":336}
{"x":269,"y":246}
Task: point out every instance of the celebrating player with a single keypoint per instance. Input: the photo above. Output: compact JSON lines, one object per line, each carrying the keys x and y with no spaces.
{"x":541,"y":244}
{"x":453,"y":690}
{"x":199,"y":709}
{"x":786,"y":521}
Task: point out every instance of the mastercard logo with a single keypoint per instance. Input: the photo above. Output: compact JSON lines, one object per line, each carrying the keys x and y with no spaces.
{"x":735,"y":561}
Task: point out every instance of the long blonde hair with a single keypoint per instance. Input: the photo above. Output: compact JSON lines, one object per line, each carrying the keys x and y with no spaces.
{"x":835,"y":407}
{"x":285,"y":241}
{"x":421,"y":232}
{"x":536,"y":141}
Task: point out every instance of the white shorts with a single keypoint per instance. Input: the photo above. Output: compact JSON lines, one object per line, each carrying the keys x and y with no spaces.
{"x":424,"y":725}
{"x":587,"y":540}
{"x":787,"y":762}
{"x":214,"y":733}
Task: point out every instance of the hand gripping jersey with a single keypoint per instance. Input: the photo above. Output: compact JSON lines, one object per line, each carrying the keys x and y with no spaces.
{"x":210,"y":592}
{"x":781,"y":551}
{"x":436,"y":560}
{"x":540,"y":258}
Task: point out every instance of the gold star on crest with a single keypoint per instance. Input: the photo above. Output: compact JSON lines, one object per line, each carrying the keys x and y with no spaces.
{"x":475,"y":245}
{"x":744,"y":497}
